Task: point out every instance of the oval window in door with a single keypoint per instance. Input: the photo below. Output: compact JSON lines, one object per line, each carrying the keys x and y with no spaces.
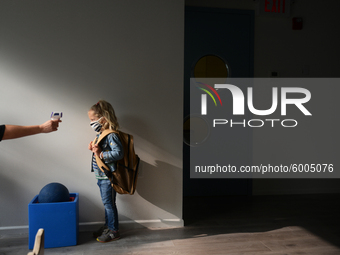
{"x":211,"y":66}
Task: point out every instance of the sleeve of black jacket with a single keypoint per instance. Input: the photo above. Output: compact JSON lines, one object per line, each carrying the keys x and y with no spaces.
{"x":2,"y":131}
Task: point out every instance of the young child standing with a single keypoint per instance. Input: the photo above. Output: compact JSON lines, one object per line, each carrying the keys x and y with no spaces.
{"x":102,"y":116}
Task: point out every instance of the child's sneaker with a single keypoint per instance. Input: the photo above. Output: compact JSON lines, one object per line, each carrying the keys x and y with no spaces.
{"x":100,"y":231}
{"x":108,"y":236}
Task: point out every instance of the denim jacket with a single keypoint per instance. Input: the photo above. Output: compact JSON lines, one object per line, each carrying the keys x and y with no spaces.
{"x":112,"y":151}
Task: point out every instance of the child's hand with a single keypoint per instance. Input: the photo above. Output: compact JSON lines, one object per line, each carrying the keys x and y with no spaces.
{"x":90,"y":146}
{"x":96,"y":149}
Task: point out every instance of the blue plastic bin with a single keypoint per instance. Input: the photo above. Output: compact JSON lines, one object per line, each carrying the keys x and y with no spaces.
{"x":59,"y":220}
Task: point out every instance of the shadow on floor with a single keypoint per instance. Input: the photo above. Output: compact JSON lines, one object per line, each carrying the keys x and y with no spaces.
{"x":318,"y":214}
{"x":261,"y":225}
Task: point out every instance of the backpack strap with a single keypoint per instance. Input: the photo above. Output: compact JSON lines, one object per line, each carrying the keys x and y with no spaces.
{"x":106,"y":132}
{"x":101,"y":164}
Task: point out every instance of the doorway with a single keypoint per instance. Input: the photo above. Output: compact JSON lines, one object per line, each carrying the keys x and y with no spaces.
{"x":218,"y":43}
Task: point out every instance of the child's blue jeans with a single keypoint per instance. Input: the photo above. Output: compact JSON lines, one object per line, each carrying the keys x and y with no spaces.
{"x":108,"y":195}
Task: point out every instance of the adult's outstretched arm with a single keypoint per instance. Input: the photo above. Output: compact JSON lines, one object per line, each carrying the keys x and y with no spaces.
{"x":15,"y":131}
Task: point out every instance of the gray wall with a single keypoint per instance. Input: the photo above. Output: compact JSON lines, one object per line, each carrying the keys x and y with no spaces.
{"x":65,"y":56}
{"x":310,"y":52}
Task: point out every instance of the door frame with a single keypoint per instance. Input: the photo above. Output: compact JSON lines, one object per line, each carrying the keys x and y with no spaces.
{"x":187,"y":73}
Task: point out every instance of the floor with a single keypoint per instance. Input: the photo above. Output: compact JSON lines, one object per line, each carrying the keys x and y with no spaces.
{"x":259,"y":225}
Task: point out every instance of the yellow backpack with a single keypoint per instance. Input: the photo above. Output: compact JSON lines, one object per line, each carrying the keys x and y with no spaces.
{"x":124,"y":179}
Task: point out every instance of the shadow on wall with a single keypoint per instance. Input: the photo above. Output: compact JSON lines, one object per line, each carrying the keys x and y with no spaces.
{"x":94,"y":209}
{"x":138,"y":126}
{"x":11,"y":195}
{"x":161,"y":185}
{"x":154,"y":133}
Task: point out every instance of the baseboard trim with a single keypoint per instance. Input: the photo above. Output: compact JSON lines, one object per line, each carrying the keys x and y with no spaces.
{"x":125,"y":224}
{"x":13,"y":227}
{"x":131,"y":224}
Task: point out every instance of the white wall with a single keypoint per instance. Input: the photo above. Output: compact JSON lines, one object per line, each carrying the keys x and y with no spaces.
{"x":65,"y":56}
{"x":311,"y":52}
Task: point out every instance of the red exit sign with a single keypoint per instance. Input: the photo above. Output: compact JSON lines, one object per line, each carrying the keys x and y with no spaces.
{"x":274,"y":7}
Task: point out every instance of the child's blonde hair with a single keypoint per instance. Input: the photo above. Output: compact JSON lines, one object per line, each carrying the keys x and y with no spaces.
{"x":105,"y":109}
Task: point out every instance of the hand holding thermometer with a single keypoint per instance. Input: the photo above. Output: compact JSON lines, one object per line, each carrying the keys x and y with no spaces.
{"x":56,"y":115}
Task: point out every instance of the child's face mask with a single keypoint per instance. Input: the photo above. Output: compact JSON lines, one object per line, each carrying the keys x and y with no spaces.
{"x":96,"y":125}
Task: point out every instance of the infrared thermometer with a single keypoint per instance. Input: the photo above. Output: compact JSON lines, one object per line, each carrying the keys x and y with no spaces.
{"x":56,"y":115}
